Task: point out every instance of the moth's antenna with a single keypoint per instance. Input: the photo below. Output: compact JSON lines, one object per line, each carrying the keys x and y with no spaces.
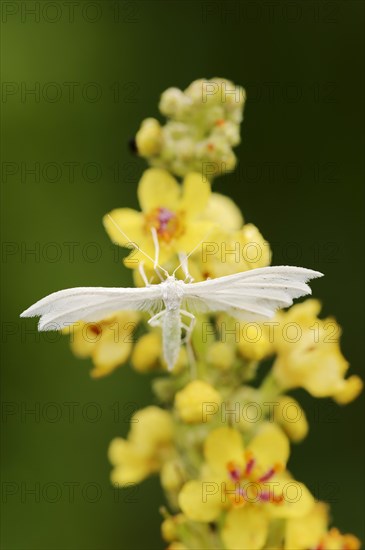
{"x":191,"y":251}
{"x":135,"y":244}
{"x":184,"y":266}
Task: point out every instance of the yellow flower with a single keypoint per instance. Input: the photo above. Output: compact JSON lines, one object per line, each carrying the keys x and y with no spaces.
{"x":148,"y":446}
{"x":169,"y":209}
{"x":309,"y":354}
{"x":226,"y":222}
{"x":253,"y":480}
{"x":311,"y":531}
{"x":195,"y":401}
{"x":108,"y":342}
{"x":130,"y":465}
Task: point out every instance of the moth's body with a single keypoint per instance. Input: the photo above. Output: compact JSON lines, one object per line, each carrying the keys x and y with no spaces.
{"x":253,"y":295}
{"x":172,"y":292}
{"x":171,"y":336}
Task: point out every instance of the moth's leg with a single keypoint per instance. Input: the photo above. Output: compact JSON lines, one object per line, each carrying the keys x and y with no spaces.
{"x":144,"y":276}
{"x":190,"y":327}
{"x":187,"y":314}
{"x":155,"y":321}
{"x":187,"y":341}
{"x":143,"y":273}
{"x":159,"y":274}
{"x":184,"y":266}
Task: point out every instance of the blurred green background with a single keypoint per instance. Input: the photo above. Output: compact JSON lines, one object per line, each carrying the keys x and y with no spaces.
{"x":96,"y":70}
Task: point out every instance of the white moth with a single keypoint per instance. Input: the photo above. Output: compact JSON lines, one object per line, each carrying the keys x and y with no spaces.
{"x":252,"y":295}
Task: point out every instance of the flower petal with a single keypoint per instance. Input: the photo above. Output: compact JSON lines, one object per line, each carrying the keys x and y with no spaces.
{"x":297,"y":502}
{"x":325,"y":371}
{"x":270,"y":446}
{"x":129,"y":221}
{"x":351,"y":388}
{"x":130,"y":465}
{"x":157,"y":188}
{"x":224,"y":211}
{"x":151,"y":427}
{"x":195,"y":233}
{"x":222,"y":446}
{"x":147,"y":351}
{"x":201,"y":501}
{"x":307,"y":532}
{"x":245,"y":528}
{"x":81,"y":345}
{"x":113,"y":349}
{"x":195,"y":194}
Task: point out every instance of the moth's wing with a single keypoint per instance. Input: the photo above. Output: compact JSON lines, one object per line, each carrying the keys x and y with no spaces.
{"x":251,"y":295}
{"x":60,"y":309}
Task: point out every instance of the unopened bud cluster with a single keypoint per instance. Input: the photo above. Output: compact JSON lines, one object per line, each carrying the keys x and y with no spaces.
{"x":203,"y":125}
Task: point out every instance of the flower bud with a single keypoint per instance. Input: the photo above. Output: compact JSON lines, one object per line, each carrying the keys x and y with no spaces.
{"x":173,"y":102}
{"x":291,"y":417}
{"x":221,"y":355}
{"x":171,"y":476}
{"x":149,"y":138}
{"x":191,"y":401}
